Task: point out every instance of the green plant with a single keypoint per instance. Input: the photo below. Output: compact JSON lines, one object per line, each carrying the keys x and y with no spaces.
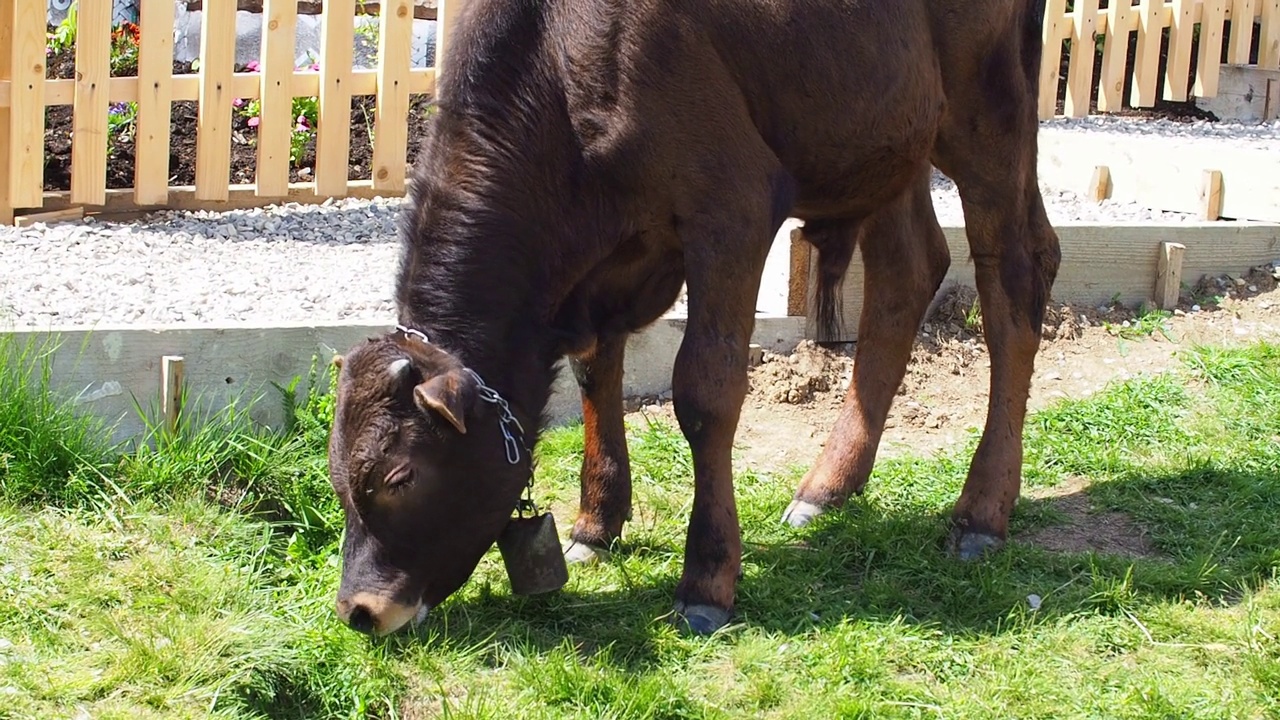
{"x":121,"y":122}
{"x":125,"y":39}
{"x":306,"y":116}
{"x":63,"y":37}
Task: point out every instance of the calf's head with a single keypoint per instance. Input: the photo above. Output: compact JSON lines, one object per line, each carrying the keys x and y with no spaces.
{"x":426,"y":474}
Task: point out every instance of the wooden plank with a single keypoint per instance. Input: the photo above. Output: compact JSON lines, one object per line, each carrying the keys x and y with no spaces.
{"x":1100,"y":261}
{"x":213,"y":119}
{"x":89,"y":116}
{"x":1146,"y":64}
{"x":49,"y":218}
{"x":1144,"y":171}
{"x":1049,"y":64}
{"x":798,"y":278}
{"x":1169,"y":274}
{"x":333,"y":136}
{"x":26,"y":96}
{"x":1241,"y":43}
{"x":275,"y":114}
{"x":102,"y":370}
{"x":1209,"y":64}
{"x":391,"y":121}
{"x":171,"y":384}
{"x":1269,"y":41}
{"x":1181,"y":31}
{"x":1100,"y":183}
{"x":1084,"y":22}
{"x":1120,"y":22}
{"x":154,"y":90}
{"x":6,"y":63}
{"x":1271,"y":106}
{"x":1211,"y":195}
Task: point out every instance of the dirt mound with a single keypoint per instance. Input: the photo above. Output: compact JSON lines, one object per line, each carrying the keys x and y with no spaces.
{"x":798,"y":377}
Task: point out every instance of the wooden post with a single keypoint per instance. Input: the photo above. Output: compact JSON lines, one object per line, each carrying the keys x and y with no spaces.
{"x":1169,"y":274}
{"x":1084,"y":54}
{"x":171,"y":372}
{"x":1054,"y":17}
{"x":798,"y":279}
{"x":391,"y":127}
{"x":1100,"y":183}
{"x":26,"y":103}
{"x":155,"y":103}
{"x":1271,"y":104}
{"x":333,"y":136}
{"x":1242,"y":12}
{"x":1211,"y":194}
{"x":213,"y":119}
{"x":89,"y":114}
{"x":6,"y":64}
{"x":1212,"y":17}
{"x":275,"y":109}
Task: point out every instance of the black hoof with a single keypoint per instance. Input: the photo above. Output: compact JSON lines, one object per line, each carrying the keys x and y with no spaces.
{"x":701,"y":619}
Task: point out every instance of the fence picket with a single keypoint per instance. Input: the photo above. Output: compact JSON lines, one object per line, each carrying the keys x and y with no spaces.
{"x":333,"y":138}
{"x":6,"y":40}
{"x":1054,"y":18}
{"x":447,"y":12}
{"x":213,"y":119}
{"x":1269,"y":42}
{"x":26,"y":105}
{"x":1181,"y":31}
{"x":1146,"y":64}
{"x":1212,"y":15}
{"x":1084,"y":23}
{"x":275,"y":97}
{"x":155,"y":103}
{"x":391,"y":126}
{"x":1242,"y":13}
{"x":89,"y":113}
{"x":1120,"y":23}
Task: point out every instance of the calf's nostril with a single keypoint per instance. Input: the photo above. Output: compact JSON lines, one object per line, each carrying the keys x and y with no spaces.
{"x":361,"y":619}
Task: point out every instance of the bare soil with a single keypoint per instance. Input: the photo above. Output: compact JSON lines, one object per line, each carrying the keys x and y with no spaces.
{"x":795,"y":397}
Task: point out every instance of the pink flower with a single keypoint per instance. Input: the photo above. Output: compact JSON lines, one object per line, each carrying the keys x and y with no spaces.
{"x":238,"y":102}
{"x":251,"y":66}
{"x":315,"y":66}
{"x":253,"y":122}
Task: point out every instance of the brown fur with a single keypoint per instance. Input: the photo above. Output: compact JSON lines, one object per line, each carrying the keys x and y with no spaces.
{"x":590,"y":156}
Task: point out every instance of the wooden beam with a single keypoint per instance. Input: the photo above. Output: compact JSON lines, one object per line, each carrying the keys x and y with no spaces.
{"x":155,"y":102}
{"x":333,"y":131}
{"x":26,"y":94}
{"x":275,"y":111}
{"x":55,"y":216}
{"x":391,"y":118}
{"x":6,"y":63}
{"x":213,"y":118}
{"x":422,"y":9}
{"x":798,"y":282}
{"x":1169,"y":274}
{"x":1099,"y":262}
{"x":1100,"y":183}
{"x":89,"y":117}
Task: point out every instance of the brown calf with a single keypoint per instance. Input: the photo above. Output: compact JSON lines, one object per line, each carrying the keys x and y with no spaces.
{"x":589,"y":157}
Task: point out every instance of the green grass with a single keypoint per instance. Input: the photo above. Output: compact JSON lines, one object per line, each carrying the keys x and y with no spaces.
{"x":194,"y":577}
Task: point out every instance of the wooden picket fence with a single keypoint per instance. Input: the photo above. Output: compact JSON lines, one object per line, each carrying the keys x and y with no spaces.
{"x":1189,"y":23}
{"x":25,"y":92}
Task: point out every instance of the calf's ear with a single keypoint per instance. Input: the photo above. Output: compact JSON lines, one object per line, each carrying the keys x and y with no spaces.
{"x":451,"y":394}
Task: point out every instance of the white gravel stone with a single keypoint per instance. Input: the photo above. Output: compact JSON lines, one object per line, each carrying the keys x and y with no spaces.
{"x":337,"y":261}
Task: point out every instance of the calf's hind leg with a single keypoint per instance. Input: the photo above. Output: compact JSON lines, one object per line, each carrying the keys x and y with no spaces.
{"x":605,"y":502}
{"x":905,"y":257}
{"x":988,"y":146}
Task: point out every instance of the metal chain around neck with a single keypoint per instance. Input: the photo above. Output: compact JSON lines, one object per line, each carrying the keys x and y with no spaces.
{"x":506,"y":419}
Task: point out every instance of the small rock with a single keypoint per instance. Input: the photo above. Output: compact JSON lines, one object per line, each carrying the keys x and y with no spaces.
{"x":1053,"y":375}
{"x":1034,"y":601}
{"x":1240,"y":282}
{"x":1179,"y":312}
{"x":1195,"y":308}
{"x":1253,"y":288}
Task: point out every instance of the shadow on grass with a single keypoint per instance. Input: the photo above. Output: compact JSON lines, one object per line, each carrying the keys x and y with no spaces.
{"x":866,"y":564}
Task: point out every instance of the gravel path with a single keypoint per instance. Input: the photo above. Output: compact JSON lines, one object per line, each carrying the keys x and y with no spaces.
{"x":336,"y":262}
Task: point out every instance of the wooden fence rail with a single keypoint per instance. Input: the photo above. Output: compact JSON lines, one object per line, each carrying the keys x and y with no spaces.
{"x":1212,"y":30}
{"x":1176,"y":26}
